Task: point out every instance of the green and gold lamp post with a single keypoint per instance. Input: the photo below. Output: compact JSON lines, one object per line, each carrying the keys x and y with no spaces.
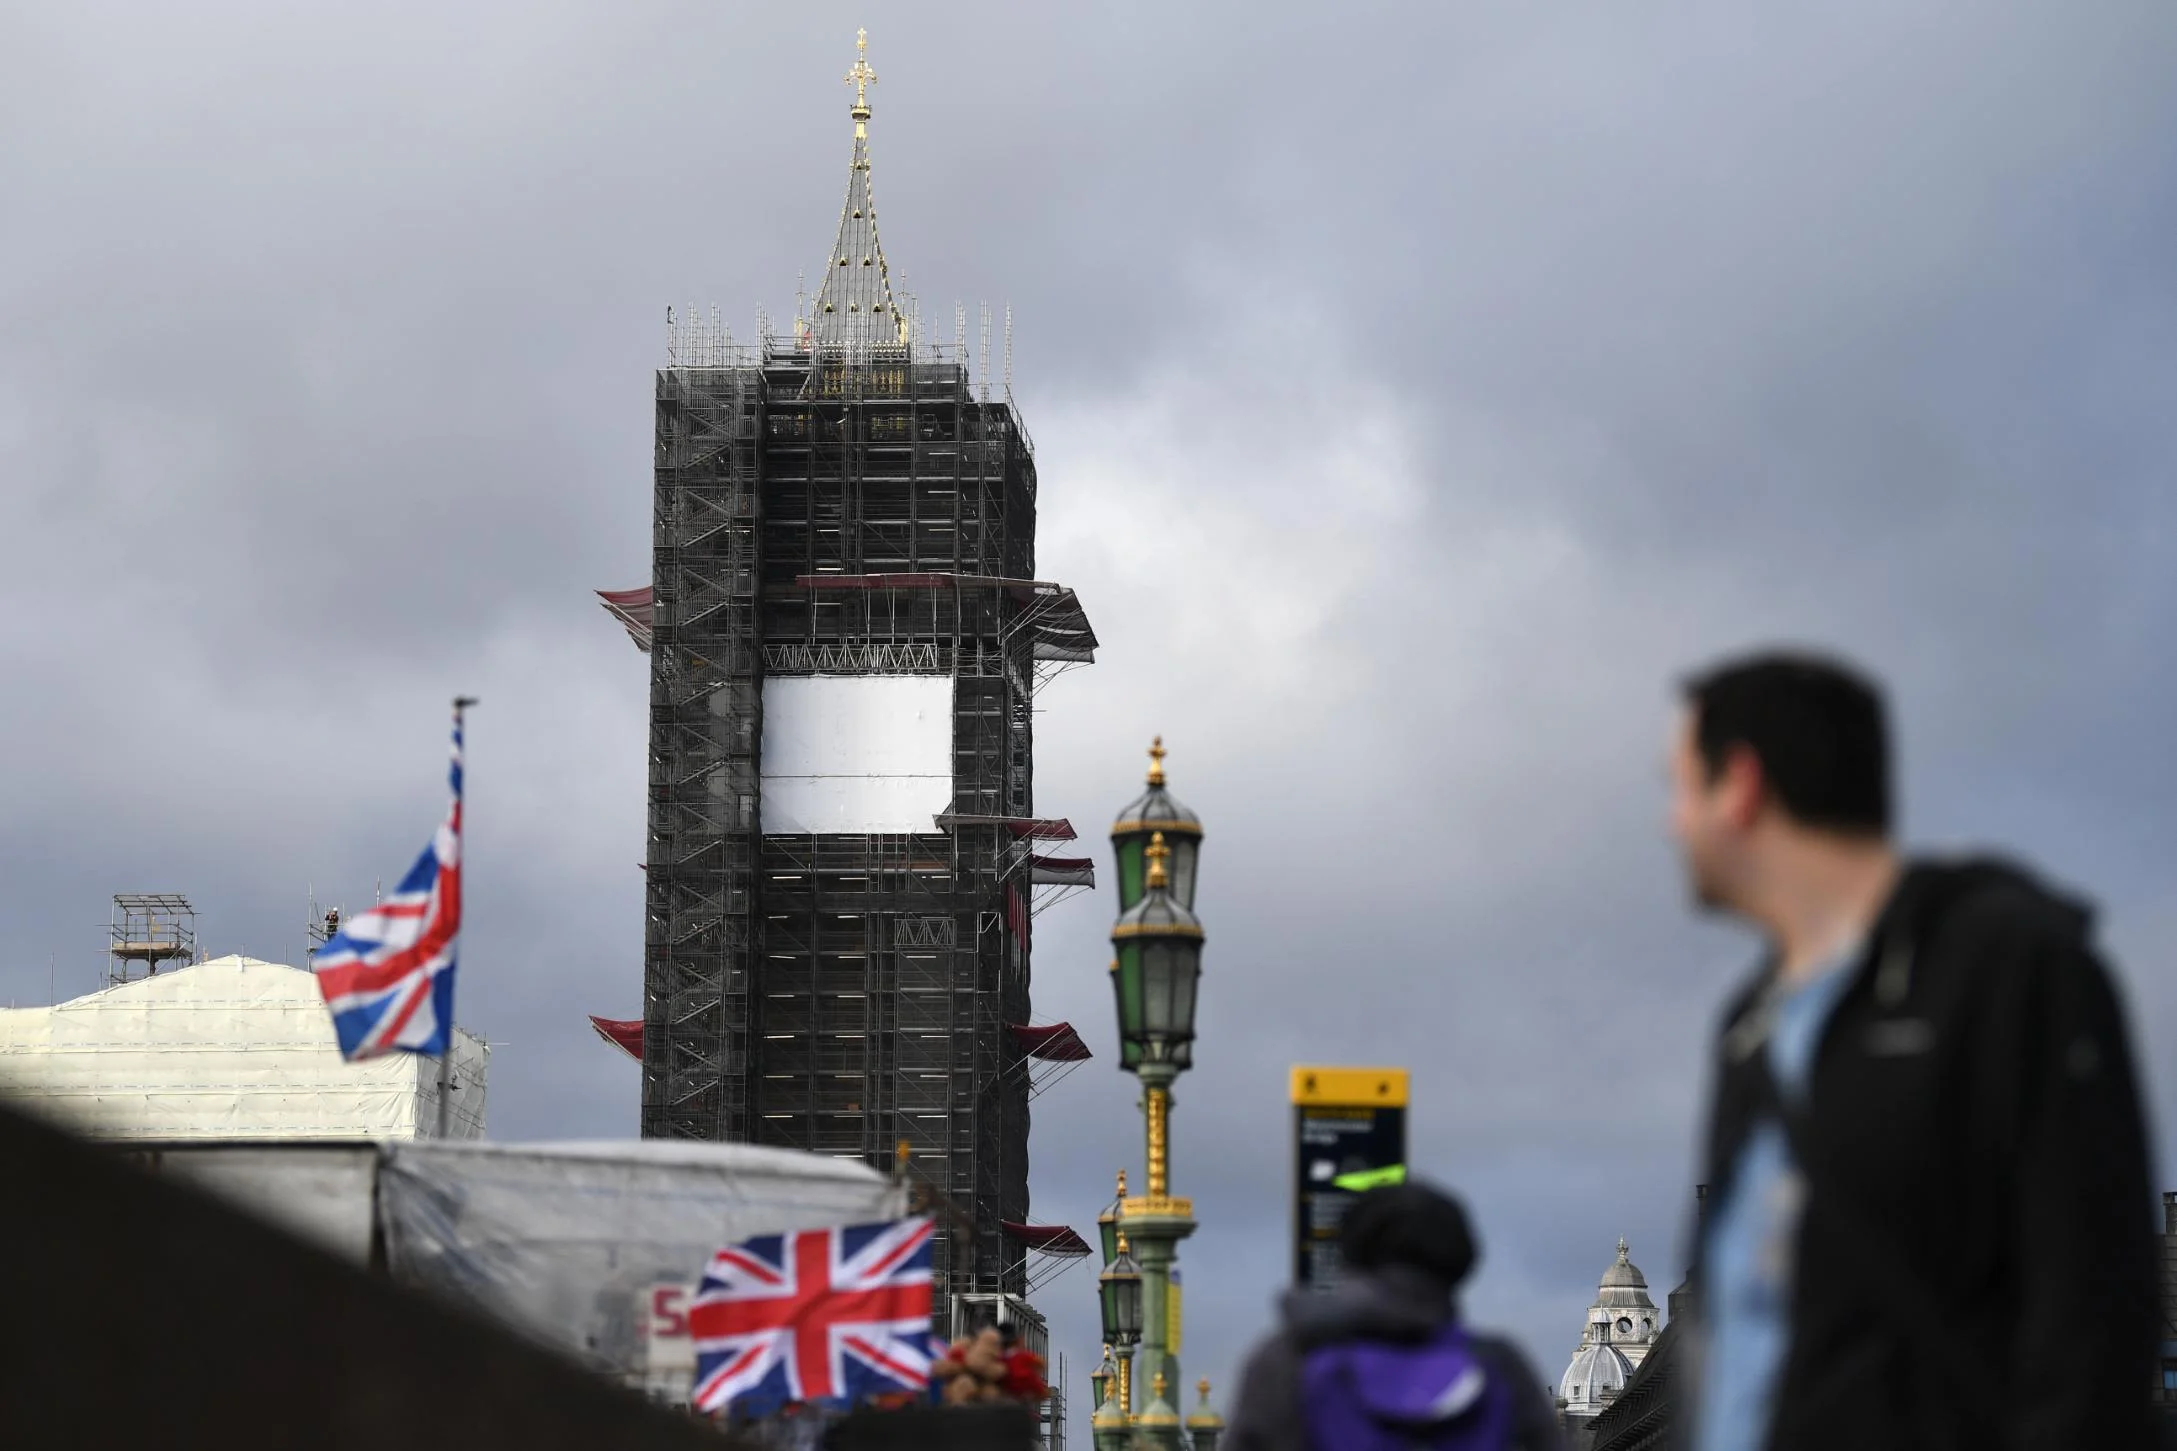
{"x":1107,"y":1223}
{"x":1156,"y":969}
{"x":1118,"y":1295}
{"x":1205,"y":1426}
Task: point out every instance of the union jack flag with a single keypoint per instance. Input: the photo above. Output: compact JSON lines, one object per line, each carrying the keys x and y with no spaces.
{"x":388,"y":974}
{"x":830,"y":1315}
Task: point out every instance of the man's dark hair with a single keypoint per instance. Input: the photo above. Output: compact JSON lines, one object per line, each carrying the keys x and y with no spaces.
{"x":1815,"y":724}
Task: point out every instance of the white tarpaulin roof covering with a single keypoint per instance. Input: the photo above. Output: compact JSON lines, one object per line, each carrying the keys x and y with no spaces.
{"x":233,"y":1048}
{"x":562,"y":1241}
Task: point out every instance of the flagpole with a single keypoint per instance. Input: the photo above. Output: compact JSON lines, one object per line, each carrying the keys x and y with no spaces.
{"x":446,"y":1056}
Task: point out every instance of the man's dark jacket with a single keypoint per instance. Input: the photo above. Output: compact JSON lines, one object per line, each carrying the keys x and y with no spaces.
{"x":1395,"y":1303}
{"x":1976,"y":1262}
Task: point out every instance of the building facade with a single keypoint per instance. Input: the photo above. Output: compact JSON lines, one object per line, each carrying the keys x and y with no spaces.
{"x":846,"y":637}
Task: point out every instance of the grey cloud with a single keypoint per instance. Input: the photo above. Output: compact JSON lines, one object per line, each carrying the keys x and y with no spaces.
{"x":1418,"y":391}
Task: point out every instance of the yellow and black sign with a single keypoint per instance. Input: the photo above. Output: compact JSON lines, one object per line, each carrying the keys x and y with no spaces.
{"x":1349,"y":1135}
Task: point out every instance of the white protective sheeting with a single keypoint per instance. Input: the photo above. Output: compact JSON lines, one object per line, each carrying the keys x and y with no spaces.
{"x":233,"y":1048}
{"x":856,"y":753}
{"x":591,"y":1247}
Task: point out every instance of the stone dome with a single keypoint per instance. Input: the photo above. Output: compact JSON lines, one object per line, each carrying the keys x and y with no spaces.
{"x":1623,"y":1286}
{"x":1597,"y":1373}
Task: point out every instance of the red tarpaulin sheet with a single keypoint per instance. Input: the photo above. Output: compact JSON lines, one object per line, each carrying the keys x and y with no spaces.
{"x":633,"y":609}
{"x":1017,"y":915}
{"x":1061,"y":871}
{"x":1050,"y":1239}
{"x":623,"y":1034}
{"x":1051,"y":1042}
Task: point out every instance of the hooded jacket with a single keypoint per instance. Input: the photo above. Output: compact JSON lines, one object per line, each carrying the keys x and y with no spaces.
{"x":1389,"y":1308}
{"x":1976,"y":1263}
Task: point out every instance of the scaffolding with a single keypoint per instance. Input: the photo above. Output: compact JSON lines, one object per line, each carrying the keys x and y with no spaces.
{"x":827,"y":512}
{"x":148,"y":929}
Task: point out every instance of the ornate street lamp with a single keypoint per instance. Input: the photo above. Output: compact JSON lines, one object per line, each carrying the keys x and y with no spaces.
{"x":1101,"y":1378}
{"x":1107,"y":1223}
{"x":1156,"y":970}
{"x":1118,"y":1291}
{"x":1205,"y":1426}
{"x":1159,"y":946}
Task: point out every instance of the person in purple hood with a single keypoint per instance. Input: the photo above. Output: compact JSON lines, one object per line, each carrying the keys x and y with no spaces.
{"x":1381,"y":1361}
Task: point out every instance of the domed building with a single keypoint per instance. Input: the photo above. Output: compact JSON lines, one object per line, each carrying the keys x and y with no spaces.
{"x":1622,"y":1326}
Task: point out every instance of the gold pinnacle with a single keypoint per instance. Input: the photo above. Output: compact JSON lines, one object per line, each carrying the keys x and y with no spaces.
{"x":1160,"y":1385}
{"x":1157,"y":852}
{"x":861,"y":75}
{"x":1156,"y":761}
{"x":1122,"y":1183}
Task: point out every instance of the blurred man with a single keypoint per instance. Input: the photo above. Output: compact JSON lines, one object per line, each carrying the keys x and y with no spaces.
{"x":1382,"y":1361}
{"x":1931,"y":1221}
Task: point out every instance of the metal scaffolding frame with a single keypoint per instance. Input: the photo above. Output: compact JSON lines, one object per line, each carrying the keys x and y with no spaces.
{"x":827,"y":510}
{"x":149,"y":928}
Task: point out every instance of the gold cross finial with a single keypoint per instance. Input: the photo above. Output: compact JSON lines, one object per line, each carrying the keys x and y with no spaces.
{"x":1158,"y":879}
{"x":1156,"y":761}
{"x":861,"y":75}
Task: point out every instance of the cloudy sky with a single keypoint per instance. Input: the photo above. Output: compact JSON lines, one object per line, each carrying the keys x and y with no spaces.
{"x":1416,"y":390}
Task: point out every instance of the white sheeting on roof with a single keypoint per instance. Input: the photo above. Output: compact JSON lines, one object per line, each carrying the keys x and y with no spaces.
{"x":569,"y":1243}
{"x":233,"y":1048}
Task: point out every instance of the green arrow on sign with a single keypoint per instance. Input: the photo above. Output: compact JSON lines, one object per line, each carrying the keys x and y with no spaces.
{"x":1361,"y":1180}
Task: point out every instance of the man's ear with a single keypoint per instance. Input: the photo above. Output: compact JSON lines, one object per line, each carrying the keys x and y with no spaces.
{"x":1745,"y":788}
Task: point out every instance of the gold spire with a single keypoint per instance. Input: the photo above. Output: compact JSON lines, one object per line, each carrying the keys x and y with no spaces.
{"x":1202,"y":1385}
{"x":1156,"y":761}
{"x":1122,"y":1242}
{"x":1159,"y":1411}
{"x":1122,"y":1183}
{"x":859,"y":78}
{"x":1158,"y":879}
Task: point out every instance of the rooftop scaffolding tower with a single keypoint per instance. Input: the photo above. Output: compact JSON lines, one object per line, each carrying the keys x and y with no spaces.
{"x":149,"y":928}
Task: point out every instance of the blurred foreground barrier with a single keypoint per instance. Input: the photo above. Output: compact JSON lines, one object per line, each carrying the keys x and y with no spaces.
{"x":952,"y":1428}
{"x":137,"y":1312}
